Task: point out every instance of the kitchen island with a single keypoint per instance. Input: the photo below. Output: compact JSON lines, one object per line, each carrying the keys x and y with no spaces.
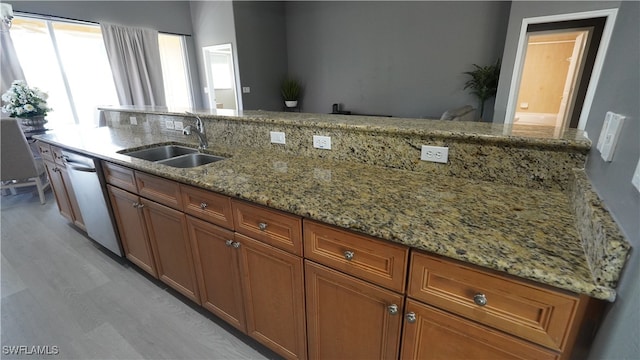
{"x":496,"y":204}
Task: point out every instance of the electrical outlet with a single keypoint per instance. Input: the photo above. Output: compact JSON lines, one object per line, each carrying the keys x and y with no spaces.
{"x":636,"y":177}
{"x":609,"y":135}
{"x":277,"y":137}
{"x":133,"y":120}
{"x":322,"y":142}
{"x":177,"y":125}
{"x":246,"y":90}
{"x":437,"y":154}
{"x":169,"y":124}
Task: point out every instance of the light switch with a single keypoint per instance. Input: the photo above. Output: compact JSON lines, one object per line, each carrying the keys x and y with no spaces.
{"x":609,"y":135}
{"x":636,"y":177}
{"x":246,"y":89}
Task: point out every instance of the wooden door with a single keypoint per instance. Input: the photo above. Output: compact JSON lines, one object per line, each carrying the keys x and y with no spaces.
{"x":217,"y":269}
{"x":132,"y":229}
{"x":435,"y":334}
{"x":59,"y":190}
{"x":273,"y":290}
{"x":169,"y":239}
{"x":348,"y":318}
{"x":76,"y":214}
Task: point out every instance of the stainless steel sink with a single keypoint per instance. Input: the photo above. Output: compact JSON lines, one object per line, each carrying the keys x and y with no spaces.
{"x":161,"y":152}
{"x":190,"y":160}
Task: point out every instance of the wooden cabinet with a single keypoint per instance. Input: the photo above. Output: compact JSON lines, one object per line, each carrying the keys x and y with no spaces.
{"x":430,"y":333}
{"x":218,"y":271}
{"x":169,"y":239}
{"x":207,"y":205}
{"x":273,"y":290}
{"x":348,"y":318}
{"x":60,"y":183}
{"x":132,"y":229}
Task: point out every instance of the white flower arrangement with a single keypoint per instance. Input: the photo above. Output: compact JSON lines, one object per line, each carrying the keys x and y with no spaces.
{"x":24,"y":102}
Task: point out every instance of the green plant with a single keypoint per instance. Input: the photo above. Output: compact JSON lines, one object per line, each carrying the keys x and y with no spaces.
{"x":291,"y":89}
{"x":22,"y":101}
{"x":483,"y":82}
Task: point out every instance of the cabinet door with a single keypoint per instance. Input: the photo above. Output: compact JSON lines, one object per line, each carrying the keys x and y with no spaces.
{"x":73,"y":203}
{"x":169,"y":240}
{"x":132,"y":229}
{"x":273,"y":289}
{"x":59,"y":190}
{"x":436,"y":334}
{"x":217,"y":270}
{"x":349,"y":318}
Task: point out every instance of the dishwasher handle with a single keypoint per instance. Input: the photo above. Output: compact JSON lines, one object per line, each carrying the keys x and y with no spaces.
{"x":78,"y":166}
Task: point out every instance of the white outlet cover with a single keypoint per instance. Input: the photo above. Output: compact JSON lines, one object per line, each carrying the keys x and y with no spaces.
{"x":168,"y":124}
{"x":322,"y":142}
{"x":246,"y":90}
{"x":439,"y":154}
{"x":609,"y":135}
{"x":133,"y":120}
{"x":277,"y":137}
{"x":178,"y":125}
{"x":636,"y":177}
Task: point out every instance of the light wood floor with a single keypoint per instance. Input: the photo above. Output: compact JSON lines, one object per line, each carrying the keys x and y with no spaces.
{"x":60,"y":289}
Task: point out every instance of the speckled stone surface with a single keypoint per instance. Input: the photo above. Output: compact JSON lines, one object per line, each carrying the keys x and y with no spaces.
{"x":530,"y":233}
{"x":604,"y":244}
{"x":526,"y":156}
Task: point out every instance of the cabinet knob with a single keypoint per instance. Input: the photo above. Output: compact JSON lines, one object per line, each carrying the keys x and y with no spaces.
{"x":135,"y":205}
{"x":411,"y":317}
{"x":235,"y":244}
{"x":348,"y":255}
{"x":140,"y":206}
{"x":203,"y":205}
{"x":480,"y":299}
{"x":228,"y":242}
{"x":393,"y":309}
{"x":262,"y":226}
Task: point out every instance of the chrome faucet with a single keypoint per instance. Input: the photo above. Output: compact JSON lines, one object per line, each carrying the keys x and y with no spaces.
{"x":199,"y":130}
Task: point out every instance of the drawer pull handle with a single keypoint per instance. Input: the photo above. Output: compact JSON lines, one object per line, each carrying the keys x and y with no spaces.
{"x":348,"y":255}
{"x":262,"y":226}
{"x":203,"y":205}
{"x":135,"y":204}
{"x":235,"y":244}
{"x":393,"y":309}
{"x":411,"y":317}
{"x":228,"y":242}
{"x":140,"y":206}
{"x":480,"y":299}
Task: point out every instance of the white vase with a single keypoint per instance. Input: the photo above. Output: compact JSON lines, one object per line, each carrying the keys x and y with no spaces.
{"x":291,"y":104}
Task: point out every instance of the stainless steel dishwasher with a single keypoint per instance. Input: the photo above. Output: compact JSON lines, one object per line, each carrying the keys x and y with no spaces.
{"x":87,"y":184}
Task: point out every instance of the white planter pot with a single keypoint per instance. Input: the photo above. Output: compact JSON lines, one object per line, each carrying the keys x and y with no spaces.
{"x":291,"y":103}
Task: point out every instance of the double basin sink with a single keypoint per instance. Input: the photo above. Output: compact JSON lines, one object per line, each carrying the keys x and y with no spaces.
{"x":173,"y":155}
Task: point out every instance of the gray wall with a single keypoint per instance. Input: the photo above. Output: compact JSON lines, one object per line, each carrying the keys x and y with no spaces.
{"x":262,"y":52}
{"x":164,"y":16}
{"x":520,"y":10}
{"x":395,"y":58}
{"x":213,"y":24}
{"x":618,"y":91}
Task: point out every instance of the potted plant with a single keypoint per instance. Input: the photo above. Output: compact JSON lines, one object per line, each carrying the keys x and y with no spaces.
{"x":291,"y":91}
{"x":28,"y":104}
{"x":483,"y":82}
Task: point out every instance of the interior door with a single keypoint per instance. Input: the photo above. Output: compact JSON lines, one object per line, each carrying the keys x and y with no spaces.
{"x":571,"y":81}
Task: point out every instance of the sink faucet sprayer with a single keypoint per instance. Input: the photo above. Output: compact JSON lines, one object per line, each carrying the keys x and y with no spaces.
{"x":200,"y":130}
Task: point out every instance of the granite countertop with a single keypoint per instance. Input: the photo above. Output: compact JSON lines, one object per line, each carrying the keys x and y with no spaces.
{"x":523,"y":232}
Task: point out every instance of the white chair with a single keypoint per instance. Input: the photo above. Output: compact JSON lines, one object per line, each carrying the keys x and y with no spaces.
{"x":18,"y":166}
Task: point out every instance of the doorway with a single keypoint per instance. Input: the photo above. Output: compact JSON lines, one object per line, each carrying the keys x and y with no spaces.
{"x":221,"y":81}
{"x":557,"y":67}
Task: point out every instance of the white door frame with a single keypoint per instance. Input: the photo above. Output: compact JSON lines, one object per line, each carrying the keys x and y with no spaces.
{"x":516,"y":77}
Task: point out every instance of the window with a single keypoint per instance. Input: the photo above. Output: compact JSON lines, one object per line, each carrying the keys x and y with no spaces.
{"x":175,"y":71}
{"x":69,"y":62}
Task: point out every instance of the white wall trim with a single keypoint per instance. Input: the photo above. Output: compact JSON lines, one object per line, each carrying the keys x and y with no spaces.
{"x":610,"y":14}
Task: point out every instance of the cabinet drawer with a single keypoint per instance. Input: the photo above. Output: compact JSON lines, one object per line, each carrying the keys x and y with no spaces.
{"x":370,"y":259}
{"x":207,"y":205}
{"x":531,"y":312}
{"x":273,"y":227}
{"x":45,"y":151}
{"x":164,"y":191}
{"x":119,"y":176}
{"x":58,"y":157}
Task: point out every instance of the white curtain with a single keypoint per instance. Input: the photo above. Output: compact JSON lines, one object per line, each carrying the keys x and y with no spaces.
{"x":11,"y":69}
{"x":134,"y":56}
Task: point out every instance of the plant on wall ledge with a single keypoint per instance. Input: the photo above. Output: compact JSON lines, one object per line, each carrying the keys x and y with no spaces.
{"x":483,"y":82}
{"x":291,"y":91}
